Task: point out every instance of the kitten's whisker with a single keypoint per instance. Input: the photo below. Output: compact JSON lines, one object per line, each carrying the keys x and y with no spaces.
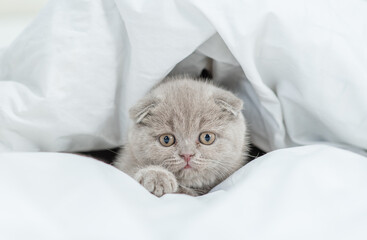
{"x":218,"y":173}
{"x":220,"y":165}
{"x":249,"y":155}
{"x":171,"y":163}
{"x":207,"y":160}
{"x":117,"y":153}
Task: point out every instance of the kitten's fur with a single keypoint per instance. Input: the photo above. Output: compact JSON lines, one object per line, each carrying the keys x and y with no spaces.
{"x":184,"y":108}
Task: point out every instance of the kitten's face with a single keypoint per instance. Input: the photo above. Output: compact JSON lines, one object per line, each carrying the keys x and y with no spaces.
{"x":193,"y":129}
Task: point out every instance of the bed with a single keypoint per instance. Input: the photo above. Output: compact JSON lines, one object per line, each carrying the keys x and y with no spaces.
{"x":69,"y":78}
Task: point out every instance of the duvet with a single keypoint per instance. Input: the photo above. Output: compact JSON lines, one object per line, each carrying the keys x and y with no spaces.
{"x":68,"y":80}
{"x":310,"y":192}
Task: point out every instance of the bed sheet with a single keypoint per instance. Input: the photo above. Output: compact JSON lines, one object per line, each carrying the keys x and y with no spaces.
{"x":67,"y":81}
{"x":312,"y":192}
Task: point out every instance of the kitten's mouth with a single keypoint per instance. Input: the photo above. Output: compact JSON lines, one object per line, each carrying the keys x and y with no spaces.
{"x":187,"y":166}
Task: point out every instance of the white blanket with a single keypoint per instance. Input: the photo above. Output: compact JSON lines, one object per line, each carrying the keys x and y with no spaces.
{"x":67,"y":82}
{"x":313,"y":192}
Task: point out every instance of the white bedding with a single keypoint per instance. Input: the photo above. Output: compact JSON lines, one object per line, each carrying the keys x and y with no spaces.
{"x":67,"y":82}
{"x":312,"y":192}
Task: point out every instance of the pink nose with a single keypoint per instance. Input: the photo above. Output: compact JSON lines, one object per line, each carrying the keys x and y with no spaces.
{"x":187,"y":157}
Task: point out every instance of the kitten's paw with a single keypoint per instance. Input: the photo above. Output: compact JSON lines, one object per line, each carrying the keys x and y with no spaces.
{"x":157,"y":180}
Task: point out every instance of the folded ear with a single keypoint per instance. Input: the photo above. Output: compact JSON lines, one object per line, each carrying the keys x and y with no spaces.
{"x":228,"y":102}
{"x":140,"y":110}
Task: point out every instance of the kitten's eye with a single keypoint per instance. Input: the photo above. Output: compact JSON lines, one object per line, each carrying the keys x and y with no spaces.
{"x":207,"y":138}
{"x":167,"y":140}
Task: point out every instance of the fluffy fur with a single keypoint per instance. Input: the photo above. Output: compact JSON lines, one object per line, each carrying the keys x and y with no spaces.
{"x":184,"y":108}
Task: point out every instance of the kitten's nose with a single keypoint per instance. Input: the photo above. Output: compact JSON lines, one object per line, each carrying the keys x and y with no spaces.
{"x":187,"y":157}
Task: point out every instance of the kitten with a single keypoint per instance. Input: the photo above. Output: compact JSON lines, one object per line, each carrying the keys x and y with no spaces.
{"x":188,"y":136}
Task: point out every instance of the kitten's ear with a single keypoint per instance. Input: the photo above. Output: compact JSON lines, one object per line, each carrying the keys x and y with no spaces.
{"x":228,"y":102}
{"x":140,"y":110}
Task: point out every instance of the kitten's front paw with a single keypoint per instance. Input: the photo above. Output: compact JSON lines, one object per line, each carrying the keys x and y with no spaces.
{"x":157,"y":180}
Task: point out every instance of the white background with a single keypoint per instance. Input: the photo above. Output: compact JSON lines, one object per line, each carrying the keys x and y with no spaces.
{"x":14,"y":17}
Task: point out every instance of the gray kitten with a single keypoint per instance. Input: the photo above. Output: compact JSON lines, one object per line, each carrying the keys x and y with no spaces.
{"x":187,"y":137}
